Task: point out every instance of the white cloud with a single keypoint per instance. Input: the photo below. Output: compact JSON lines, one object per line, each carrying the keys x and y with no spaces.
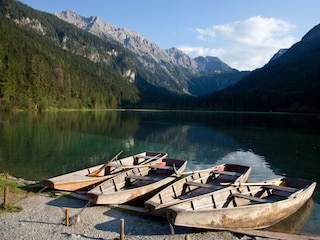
{"x":244,"y":45}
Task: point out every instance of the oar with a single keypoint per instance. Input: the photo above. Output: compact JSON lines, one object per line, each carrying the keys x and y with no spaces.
{"x":98,"y":171}
{"x":192,"y":172}
{"x":277,"y":183}
{"x":149,"y":160}
{"x":143,"y":164}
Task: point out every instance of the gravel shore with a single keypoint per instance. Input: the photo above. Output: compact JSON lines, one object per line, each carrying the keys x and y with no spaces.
{"x":43,"y":217}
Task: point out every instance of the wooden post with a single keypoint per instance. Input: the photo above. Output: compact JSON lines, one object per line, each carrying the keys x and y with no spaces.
{"x":5,"y":197}
{"x":121,"y":229}
{"x":67,"y":217}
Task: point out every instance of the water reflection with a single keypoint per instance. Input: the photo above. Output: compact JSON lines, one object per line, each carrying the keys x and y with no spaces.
{"x":40,"y":145}
{"x":44,"y":144}
{"x":260,"y":168}
{"x":295,"y":222}
{"x":36,"y":146}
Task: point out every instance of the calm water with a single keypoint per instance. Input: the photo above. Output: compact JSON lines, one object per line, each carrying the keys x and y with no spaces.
{"x":36,"y":146}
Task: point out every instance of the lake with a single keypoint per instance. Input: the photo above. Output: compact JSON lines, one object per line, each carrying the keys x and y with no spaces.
{"x":36,"y":146}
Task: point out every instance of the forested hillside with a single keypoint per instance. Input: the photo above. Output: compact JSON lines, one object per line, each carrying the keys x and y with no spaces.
{"x":36,"y":74}
{"x":47,"y":63}
{"x":289,"y":83}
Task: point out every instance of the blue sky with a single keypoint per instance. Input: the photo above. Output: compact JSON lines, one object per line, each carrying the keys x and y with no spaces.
{"x":243,"y":33}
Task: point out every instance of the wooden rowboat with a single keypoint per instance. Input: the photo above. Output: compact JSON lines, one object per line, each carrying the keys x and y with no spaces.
{"x":94,"y":175}
{"x":196,"y":185}
{"x":136,"y":183}
{"x":246,"y":206}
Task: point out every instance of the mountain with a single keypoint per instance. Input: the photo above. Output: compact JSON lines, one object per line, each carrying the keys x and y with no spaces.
{"x":212,"y":65}
{"x":46,"y":63}
{"x":153,"y":65}
{"x":179,"y":58}
{"x":214,"y":82}
{"x":215,"y":75}
{"x":290,"y":82}
{"x":167,"y":71}
{"x":68,"y":67}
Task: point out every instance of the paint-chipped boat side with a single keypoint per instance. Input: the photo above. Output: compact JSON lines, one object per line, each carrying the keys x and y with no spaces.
{"x":250,"y":215}
{"x":117,"y":191}
{"x":79,"y":179}
{"x":180,"y":191}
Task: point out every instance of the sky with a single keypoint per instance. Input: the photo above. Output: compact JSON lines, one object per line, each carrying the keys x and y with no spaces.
{"x":245,"y":34}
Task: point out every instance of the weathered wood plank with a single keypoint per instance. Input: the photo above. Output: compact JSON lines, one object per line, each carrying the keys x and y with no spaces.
{"x":129,"y":207}
{"x":251,"y":198}
{"x":143,"y":178}
{"x":197,"y":184}
{"x":226,"y":173}
{"x":282,"y":188}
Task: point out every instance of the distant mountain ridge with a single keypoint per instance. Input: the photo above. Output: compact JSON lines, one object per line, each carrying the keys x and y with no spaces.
{"x":177,"y":66}
{"x":132,"y":40}
{"x":212,"y":65}
{"x":46,"y":63}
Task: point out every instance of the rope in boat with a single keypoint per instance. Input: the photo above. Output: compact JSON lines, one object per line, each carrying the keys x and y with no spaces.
{"x":42,"y":189}
{"x":76,"y":218}
{"x":143,"y":215}
{"x":171,"y":227}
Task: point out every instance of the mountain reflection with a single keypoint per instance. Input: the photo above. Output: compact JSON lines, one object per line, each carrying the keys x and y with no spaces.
{"x":260,"y":168}
{"x":37,"y":145}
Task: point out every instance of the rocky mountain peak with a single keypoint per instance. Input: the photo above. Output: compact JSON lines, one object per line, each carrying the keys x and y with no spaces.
{"x":212,"y":65}
{"x":169,"y":69}
{"x":73,"y":17}
{"x":180,"y":58}
{"x":132,"y":40}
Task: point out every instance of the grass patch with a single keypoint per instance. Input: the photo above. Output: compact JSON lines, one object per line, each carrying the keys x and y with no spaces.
{"x":14,"y":187}
{"x":16,"y":192}
{"x":10,"y":208}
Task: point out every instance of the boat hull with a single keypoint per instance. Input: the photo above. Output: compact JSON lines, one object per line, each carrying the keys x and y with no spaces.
{"x":79,"y":179}
{"x":251,"y":216}
{"x":180,"y":191}
{"x":117,"y":191}
{"x":73,"y":183}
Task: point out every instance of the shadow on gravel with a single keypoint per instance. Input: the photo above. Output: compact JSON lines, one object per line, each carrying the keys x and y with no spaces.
{"x":67,"y":202}
{"x":139,"y":224}
{"x":39,"y":222}
{"x":82,"y":236}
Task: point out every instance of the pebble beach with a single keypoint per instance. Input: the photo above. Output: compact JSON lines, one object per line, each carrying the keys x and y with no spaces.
{"x":43,"y":216}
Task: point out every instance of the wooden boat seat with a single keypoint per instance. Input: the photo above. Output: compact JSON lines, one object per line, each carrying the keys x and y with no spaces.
{"x":143,"y":178}
{"x":163,"y":167}
{"x":227,"y":173}
{"x":251,"y":198}
{"x":135,"y":166}
{"x":148,"y":157}
{"x":281,"y":188}
{"x":197,"y":184}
